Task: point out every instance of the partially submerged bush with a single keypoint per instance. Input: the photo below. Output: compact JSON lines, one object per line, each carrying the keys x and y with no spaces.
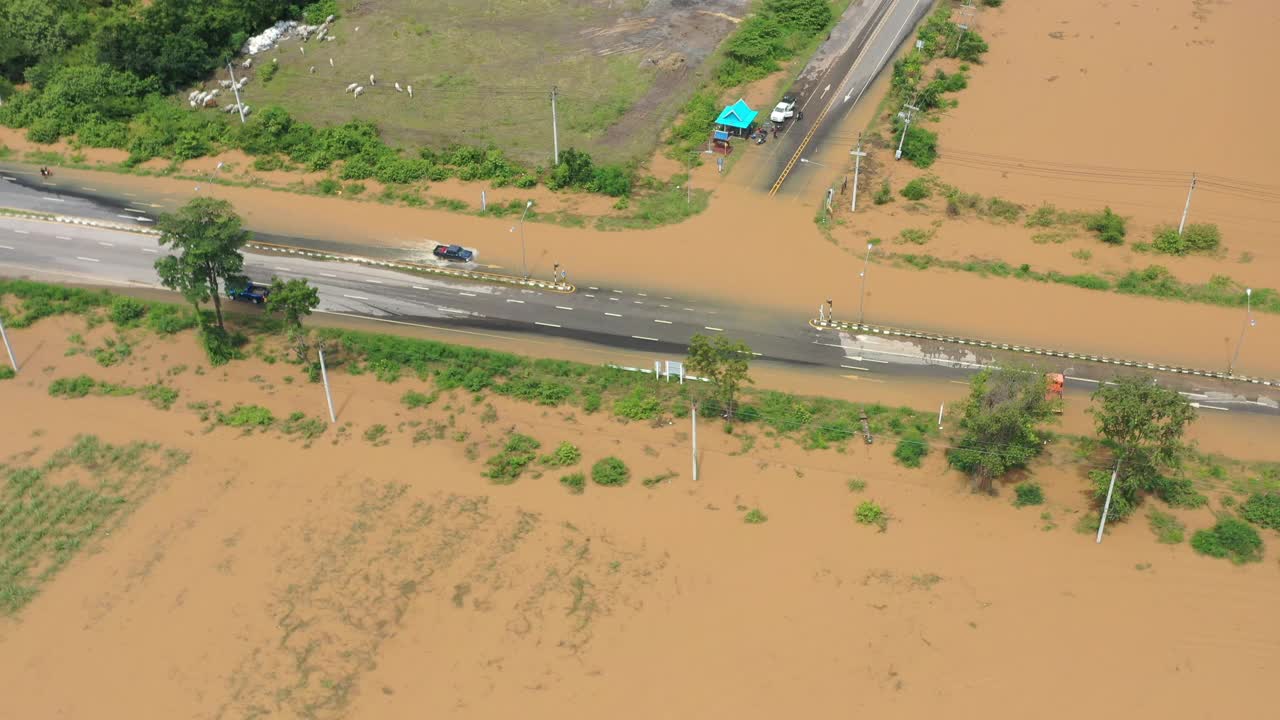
{"x":917,"y":189}
{"x":1109,"y":226}
{"x":1027,"y":493}
{"x":1230,"y":538}
{"x":610,"y":472}
{"x":507,"y":466}
{"x":1262,"y":509}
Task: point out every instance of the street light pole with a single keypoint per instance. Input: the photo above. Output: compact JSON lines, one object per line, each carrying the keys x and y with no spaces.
{"x":523,"y":258}
{"x":907,"y":124}
{"x":12,"y":360}
{"x":863,"y":296}
{"x":857,"y":166}
{"x":1248,"y":323}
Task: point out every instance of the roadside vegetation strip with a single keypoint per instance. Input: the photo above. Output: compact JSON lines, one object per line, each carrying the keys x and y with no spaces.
{"x":1029,"y":350}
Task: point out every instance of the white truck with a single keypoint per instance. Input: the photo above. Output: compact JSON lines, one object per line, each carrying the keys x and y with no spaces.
{"x":784,"y":110}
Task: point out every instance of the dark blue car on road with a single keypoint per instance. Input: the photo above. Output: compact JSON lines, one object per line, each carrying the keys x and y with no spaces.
{"x":454,"y":252}
{"x":255,"y":293}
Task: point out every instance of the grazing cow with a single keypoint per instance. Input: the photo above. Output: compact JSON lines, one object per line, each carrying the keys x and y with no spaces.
{"x":371,"y":80}
{"x":330,"y":62}
{"x":359,"y":91}
{"x":410,"y":91}
{"x":351,"y":87}
{"x":398,"y":87}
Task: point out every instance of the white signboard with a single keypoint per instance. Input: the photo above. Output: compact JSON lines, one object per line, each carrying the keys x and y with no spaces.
{"x":677,"y":368}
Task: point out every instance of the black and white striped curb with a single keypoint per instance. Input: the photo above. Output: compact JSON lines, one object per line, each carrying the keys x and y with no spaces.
{"x":415,"y":267}
{"x":290,"y":250}
{"x":987,"y":344}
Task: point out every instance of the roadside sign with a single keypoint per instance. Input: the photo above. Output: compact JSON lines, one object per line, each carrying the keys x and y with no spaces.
{"x":677,"y":367}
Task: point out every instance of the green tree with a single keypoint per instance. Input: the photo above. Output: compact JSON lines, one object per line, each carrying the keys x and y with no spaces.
{"x":722,"y":361}
{"x":207,"y":235}
{"x":1142,"y":423}
{"x":292,"y":300}
{"x":999,"y":423}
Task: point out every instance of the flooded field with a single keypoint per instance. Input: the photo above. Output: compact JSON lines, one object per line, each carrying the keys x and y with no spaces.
{"x":370,"y":573}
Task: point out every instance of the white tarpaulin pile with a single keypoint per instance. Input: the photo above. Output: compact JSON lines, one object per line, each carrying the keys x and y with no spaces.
{"x":268,"y":38}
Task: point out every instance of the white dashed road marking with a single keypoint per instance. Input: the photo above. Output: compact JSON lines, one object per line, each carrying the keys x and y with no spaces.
{"x":641,"y":337}
{"x":561,"y":307}
{"x":589,"y":295}
{"x":510,"y":300}
{"x":6,"y":247}
{"x":613,"y":314}
{"x":62,"y":237}
{"x":281,"y":269}
{"x":664,"y":322}
{"x":418,"y":287}
{"x":23,"y":232}
{"x":105,"y":244}
{"x":716,"y":329}
{"x":547,"y":324}
{"x":328,"y":275}
{"x":355,"y":297}
{"x":150,"y":250}
{"x":375,"y":282}
{"x":87,"y":259}
{"x":855,"y":367}
{"x":467,"y":294}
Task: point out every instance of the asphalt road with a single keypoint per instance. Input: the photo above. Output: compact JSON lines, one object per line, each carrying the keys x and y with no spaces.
{"x":613,"y":317}
{"x":828,"y":91}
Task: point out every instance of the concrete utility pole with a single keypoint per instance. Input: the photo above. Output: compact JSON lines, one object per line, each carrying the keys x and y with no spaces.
{"x":693,"y":418}
{"x":910,"y":110}
{"x":1248,"y":323}
{"x":9,"y":349}
{"x":324,"y":375}
{"x":862,"y":299}
{"x":968,"y":11}
{"x":236,"y":89}
{"x":555,"y":130}
{"x":1106,"y":507}
{"x":857,"y":167}
{"x":1187,"y":208}
{"x":524,"y":263}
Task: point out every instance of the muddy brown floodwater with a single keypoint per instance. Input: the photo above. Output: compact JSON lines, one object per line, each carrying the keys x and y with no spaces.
{"x":385,"y":578}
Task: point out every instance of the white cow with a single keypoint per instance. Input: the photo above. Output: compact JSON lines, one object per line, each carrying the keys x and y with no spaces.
{"x":410,"y":91}
{"x":359,"y":91}
{"x":371,"y":80}
{"x":398,"y":87}
{"x":351,"y":87}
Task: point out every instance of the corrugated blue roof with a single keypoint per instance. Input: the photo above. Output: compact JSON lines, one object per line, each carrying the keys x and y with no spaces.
{"x":737,"y":115}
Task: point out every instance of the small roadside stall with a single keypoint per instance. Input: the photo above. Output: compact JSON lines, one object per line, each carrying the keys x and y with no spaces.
{"x":736,"y":119}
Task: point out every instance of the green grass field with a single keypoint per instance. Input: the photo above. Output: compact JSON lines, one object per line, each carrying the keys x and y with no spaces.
{"x":482,"y":72}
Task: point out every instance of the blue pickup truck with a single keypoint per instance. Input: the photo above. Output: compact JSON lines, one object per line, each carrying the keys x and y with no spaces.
{"x":255,"y":293}
{"x":454,"y":252}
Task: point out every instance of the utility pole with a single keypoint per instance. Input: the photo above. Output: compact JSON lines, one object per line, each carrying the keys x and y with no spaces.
{"x":910,"y":110}
{"x":1187,"y":208}
{"x":324,"y":375}
{"x":968,"y":11}
{"x":555,"y":130}
{"x":1106,"y":507}
{"x":9,"y":349}
{"x":1248,"y":323}
{"x":693,"y":418}
{"x":857,"y":167}
{"x":524,"y":263}
{"x":236,"y":89}
{"x":862,"y":299}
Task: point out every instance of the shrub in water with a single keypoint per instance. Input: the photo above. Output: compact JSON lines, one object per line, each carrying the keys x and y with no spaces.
{"x":506,"y":466}
{"x":1230,"y":538}
{"x":575,"y":483}
{"x":611,"y":472}
{"x":1262,"y":509}
{"x":754,"y":517}
{"x":1108,"y":225}
{"x":917,"y":189}
{"x":566,"y":454}
{"x":911,"y":450}
{"x":869,"y":513}
{"x":125,"y":311}
{"x":1027,"y":493}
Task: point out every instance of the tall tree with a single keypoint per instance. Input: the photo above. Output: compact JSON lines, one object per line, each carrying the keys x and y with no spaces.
{"x":207,"y":235}
{"x":725,"y":363}
{"x":293,"y":300}
{"x":1142,"y":424}
{"x":999,"y":423}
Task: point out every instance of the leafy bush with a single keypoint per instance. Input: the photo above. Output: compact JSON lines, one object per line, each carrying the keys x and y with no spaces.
{"x":413,"y":399}
{"x":161,"y":396}
{"x":1262,"y":509}
{"x":220,"y":346}
{"x":755,"y":516}
{"x":1229,"y":538}
{"x":507,"y":466}
{"x":126,"y":312}
{"x":920,"y":145}
{"x":639,"y":404}
{"x":1109,"y":226}
{"x":318,"y":11}
{"x":565,"y":454}
{"x":328,"y":186}
{"x":883,"y":195}
{"x":869,"y":513}
{"x":575,"y":482}
{"x":917,"y":189}
{"x":1002,"y":209}
{"x":610,"y":472}
{"x":247,"y":416}
{"x":1167,"y":528}
{"x":1027,"y":493}
{"x":1196,"y":237}
{"x":911,"y":450}
{"x":169,"y":319}
{"x":72,"y":387}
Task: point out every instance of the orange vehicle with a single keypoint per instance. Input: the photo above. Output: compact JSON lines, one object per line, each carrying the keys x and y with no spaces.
{"x":1055,"y":382}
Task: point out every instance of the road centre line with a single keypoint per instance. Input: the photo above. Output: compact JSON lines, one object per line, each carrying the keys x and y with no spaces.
{"x":641,"y":337}
{"x":547,"y":324}
{"x":561,"y":307}
{"x":87,"y":259}
{"x":613,"y":314}
{"x":510,"y":300}
{"x":664,"y":322}
{"x":356,"y":297}
{"x":716,"y":329}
